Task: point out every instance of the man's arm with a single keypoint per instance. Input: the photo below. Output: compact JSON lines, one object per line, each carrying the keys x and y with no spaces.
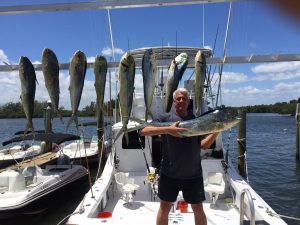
{"x":171,"y":130}
{"x":208,"y":140}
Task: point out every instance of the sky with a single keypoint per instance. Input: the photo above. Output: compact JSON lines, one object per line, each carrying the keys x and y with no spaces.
{"x":255,"y":28}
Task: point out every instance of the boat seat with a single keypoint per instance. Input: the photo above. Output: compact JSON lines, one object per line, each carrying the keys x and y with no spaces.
{"x":126,"y":185}
{"x":214,"y":185}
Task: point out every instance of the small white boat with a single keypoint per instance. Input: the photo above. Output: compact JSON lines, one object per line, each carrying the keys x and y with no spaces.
{"x":32,"y":190}
{"x":81,"y":149}
{"x":18,"y":153}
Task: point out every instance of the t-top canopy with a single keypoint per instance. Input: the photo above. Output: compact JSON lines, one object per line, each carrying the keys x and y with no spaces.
{"x":56,"y":138}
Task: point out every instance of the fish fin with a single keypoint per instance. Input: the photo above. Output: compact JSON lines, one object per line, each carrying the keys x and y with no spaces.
{"x":72,"y":118}
{"x":36,"y":81}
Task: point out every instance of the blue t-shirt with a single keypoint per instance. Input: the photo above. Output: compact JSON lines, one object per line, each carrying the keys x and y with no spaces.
{"x":181,"y":156}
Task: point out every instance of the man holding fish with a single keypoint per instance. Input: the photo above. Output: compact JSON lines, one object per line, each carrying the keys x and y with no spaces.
{"x":181,"y":162}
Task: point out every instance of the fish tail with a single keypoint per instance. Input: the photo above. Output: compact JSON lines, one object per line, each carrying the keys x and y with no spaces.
{"x":146,"y":115}
{"x":60,"y":116}
{"x":72,"y":118}
{"x":29,"y":126}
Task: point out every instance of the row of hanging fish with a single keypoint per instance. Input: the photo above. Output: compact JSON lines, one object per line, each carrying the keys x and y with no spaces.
{"x":50,"y":68}
{"x":149,"y":72}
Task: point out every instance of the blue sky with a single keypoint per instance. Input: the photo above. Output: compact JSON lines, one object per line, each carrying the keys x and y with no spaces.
{"x":255,"y":29}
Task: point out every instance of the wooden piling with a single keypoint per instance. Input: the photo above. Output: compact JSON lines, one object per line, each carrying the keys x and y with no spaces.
{"x":48,"y":125}
{"x":297,"y":117}
{"x":242,"y":144}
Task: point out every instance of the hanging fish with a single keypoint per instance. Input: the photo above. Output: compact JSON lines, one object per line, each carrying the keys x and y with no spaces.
{"x":149,"y":69}
{"x":77,"y":72}
{"x":100,"y":71}
{"x":126,"y":81}
{"x":175,"y":72}
{"x":200,"y":74}
{"x":28,"y":87}
{"x":50,"y":69}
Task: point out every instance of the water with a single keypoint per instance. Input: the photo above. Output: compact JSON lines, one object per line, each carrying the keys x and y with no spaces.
{"x":273,"y":171}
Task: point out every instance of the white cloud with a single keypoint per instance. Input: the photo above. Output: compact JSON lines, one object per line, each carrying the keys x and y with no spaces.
{"x":232,"y":77}
{"x":107,"y":51}
{"x":3,"y":58}
{"x":279,"y":67}
{"x":90,"y":59}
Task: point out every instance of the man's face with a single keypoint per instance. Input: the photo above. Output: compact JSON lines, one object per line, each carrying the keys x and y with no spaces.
{"x":181,"y":102}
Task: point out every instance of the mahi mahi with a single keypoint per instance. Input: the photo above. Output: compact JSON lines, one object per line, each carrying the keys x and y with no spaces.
{"x":126,"y":81}
{"x":200,"y":74}
{"x":149,"y":79}
{"x":175,"y":72}
{"x":50,"y":69}
{"x":100,"y":71}
{"x":209,"y":122}
{"x":28,"y":87}
{"x":77,"y":72}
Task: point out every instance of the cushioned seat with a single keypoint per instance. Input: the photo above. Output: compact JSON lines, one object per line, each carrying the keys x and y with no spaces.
{"x":214,"y":184}
{"x":126,"y":185}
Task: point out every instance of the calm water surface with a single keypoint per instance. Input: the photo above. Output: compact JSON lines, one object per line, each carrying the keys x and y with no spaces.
{"x":272,"y":168}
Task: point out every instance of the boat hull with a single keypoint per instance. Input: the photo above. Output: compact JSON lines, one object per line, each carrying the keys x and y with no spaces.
{"x":43,"y":201}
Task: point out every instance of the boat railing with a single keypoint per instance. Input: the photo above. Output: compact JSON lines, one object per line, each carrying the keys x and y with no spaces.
{"x":242,"y":207}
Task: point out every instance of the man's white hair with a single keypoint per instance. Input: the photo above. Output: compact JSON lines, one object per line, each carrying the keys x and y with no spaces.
{"x":181,"y":90}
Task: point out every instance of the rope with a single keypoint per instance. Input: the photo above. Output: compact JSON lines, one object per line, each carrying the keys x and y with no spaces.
{"x":280,"y":215}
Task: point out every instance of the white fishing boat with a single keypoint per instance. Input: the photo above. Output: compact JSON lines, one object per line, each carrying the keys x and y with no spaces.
{"x":126,"y":192}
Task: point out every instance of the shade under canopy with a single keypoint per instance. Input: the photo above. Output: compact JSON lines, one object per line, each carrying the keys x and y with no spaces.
{"x":56,"y":138}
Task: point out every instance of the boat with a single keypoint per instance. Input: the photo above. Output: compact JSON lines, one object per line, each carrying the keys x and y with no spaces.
{"x":21,"y":151}
{"x":85,"y":148}
{"x":126,"y":191}
{"x":18,"y":153}
{"x":28,"y":189}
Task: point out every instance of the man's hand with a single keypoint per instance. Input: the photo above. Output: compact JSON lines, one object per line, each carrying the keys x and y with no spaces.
{"x":175,"y":131}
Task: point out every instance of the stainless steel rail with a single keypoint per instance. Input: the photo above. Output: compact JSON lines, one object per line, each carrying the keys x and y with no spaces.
{"x":251,"y":205}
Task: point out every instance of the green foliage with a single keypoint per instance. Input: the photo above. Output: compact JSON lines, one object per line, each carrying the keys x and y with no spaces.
{"x":15,"y":110}
{"x":279,"y":107}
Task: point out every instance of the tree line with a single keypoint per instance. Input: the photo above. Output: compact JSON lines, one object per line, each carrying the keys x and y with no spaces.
{"x":15,"y":110}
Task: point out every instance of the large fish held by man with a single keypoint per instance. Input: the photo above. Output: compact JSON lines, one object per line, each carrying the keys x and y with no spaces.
{"x":149,"y":69}
{"x":126,"y":81}
{"x":100,"y":71}
{"x":50,"y":69}
{"x":200,"y":74}
{"x":175,"y":72}
{"x":28,"y":87}
{"x":209,"y":122}
{"x":77,"y":72}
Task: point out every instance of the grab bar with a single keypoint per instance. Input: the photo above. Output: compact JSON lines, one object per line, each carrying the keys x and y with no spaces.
{"x":251,"y":205}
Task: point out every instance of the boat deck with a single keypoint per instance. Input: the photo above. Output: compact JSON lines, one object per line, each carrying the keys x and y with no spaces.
{"x":144,"y":208}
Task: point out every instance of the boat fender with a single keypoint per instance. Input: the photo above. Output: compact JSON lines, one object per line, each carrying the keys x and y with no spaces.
{"x":63,"y":160}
